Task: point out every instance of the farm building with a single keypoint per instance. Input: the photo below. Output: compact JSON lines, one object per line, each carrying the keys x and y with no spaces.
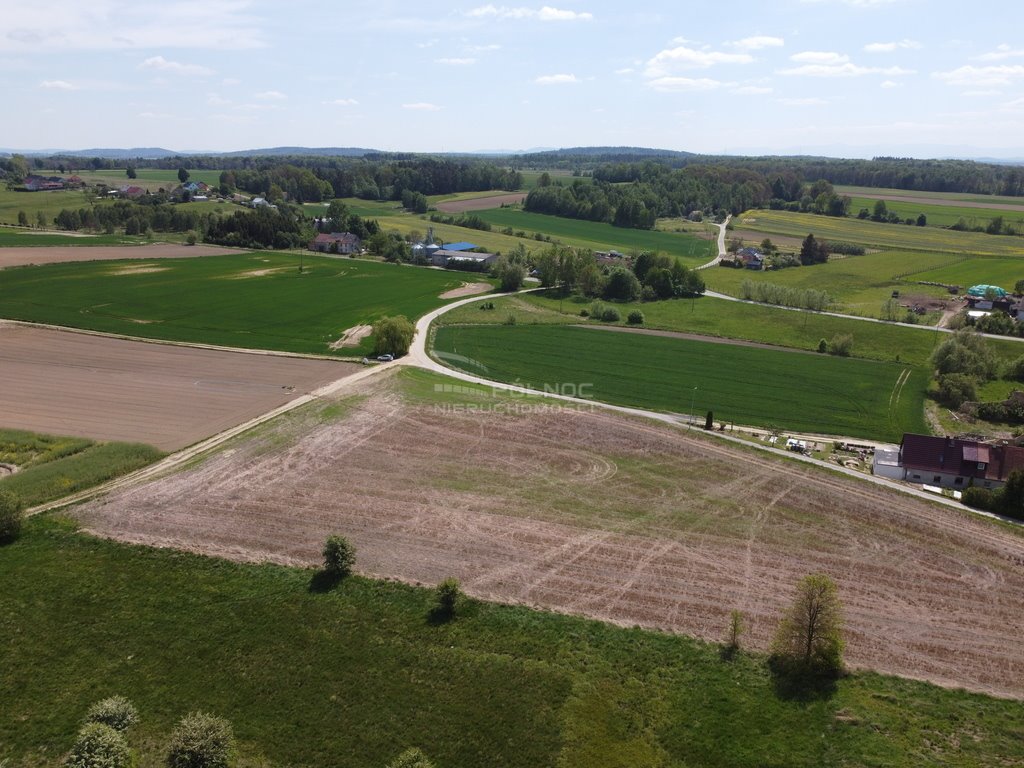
{"x":43,"y":184}
{"x":462,"y":246}
{"x":335,"y":242}
{"x":443,"y":257}
{"x":751,"y":258}
{"x":954,"y":463}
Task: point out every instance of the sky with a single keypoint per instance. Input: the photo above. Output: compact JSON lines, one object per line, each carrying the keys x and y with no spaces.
{"x":853,"y":78}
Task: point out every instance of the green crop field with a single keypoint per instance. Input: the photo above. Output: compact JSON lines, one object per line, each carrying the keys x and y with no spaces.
{"x":941,"y":215}
{"x":14,"y":236}
{"x":251,"y":300}
{"x":750,"y":386}
{"x":49,"y":203}
{"x":51,"y":467}
{"x":950,"y":198}
{"x":600,"y":236}
{"x":147,"y":178}
{"x":307,"y":676}
{"x":988,"y":271}
{"x":877,"y":235}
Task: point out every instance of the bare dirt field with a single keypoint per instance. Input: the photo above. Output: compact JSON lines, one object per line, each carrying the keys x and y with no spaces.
{"x":597,"y":514}
{"x":167,"y":396}
{"x":466,"y":289}
{"x":22,"y":256}
{"x":480,"y":203}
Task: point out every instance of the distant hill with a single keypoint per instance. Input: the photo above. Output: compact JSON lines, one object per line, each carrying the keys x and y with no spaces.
{"x":159,"y":153}
{"x":296,"y":151}
{"x":611,"y":152}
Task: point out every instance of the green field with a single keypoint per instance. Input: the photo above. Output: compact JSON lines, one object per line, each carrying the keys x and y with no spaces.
{"x":602,"y":237}
{"x":952,"y":197}
{"x":877,"y":235}
{"x":148,"y":178}
{"x":14,"y":236}
{"x":51,"y":467}
{"x":251,"y":300}
{"x":358,"y":672}
{"x":749,"y":386}
{"x":50,"y":203}
{"x":987,"y":271}
{"x":941,"y":215}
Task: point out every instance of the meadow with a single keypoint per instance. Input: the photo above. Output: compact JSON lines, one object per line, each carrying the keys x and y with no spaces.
{"x":952,"y":198}
{"x":151,"y":179}
{"x":602,"y":237}
{"x":32,"y":203}
{"x":940,"y":215}
{"x":14,"y":236}
{"x":51,"y":467}
{"x":967,"y":272}
{"x":796,"y":391}
{"x":875,"y":234}
{"x":306,"y":675}
{"x":258,"y":300}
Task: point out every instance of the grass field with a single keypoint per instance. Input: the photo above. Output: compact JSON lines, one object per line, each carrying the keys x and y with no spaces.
{"x":951,"y":197}
{"x":941,"y":215}
{"x":602,"y":237}
{"x":147,"y":178}
{"x":988,"y":271}
{"x":13,"y":236}
{"x":306,"y":676}
{"x":51,"y":467}
{"x":250,"y":300}
{"x":750,"y":386}
{"x":50,"y":203}
{"x":874,"y":234}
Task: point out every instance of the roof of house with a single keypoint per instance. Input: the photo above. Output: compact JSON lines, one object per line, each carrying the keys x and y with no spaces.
{"x":463,"y":246}
{"x":336,"y":237}
{"x":463,"y":255}
{"x":963,"y":458}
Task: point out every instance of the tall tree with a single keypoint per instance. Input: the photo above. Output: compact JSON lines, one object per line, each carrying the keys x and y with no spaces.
{"x":182,"y":175}
{"x":810,"y":635}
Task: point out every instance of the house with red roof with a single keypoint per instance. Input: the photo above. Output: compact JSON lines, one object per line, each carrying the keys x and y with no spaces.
{"x":336,"y":242}
{"x":951,"y":462}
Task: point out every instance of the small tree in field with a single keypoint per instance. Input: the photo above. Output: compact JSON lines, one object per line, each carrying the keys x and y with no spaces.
{"x":339,"y":556}
{"x":116,"y":711}
{"x":10,"y":516}
{"x":393,"y":335}
{"x":736,"y":629}
{"x":411,"y":758}
{"x":99,"y":746}
{"x":810,"y":636}
{"x":709,"y":422}
{"x":448,"y":597}
{"x":201,"y":741}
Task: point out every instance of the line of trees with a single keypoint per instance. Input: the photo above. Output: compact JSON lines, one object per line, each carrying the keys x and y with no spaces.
{"x":785,"y":295}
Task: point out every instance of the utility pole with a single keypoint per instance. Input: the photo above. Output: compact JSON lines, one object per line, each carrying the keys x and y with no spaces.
{"x":693,"y":396}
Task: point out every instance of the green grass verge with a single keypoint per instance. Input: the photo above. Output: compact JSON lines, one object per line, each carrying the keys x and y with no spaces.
{"x":249,"y":300}
{"x":51,"y":467}
{"x":359,"y":672}
{"x":874,"y":234}
{"x":602,"y":237}
{"x":750,"y":386}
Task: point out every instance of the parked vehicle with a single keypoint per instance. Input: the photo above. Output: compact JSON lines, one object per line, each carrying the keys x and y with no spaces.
{"x":385,"y":358}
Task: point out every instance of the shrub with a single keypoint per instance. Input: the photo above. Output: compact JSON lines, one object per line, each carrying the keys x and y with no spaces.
{"x":978,"y":498}
{"x":201,"y":741}
{"x":622,"y":285}
{"x":10,"y":516}
{"x":841,"y":345}
{"x":510,"y":319}
{"x":191,"y":238}
{"x":822,"y":346}
{"x":610,"y":315}
{"x":99,"y":746}
{"x":584,"y":313}
{"x":116,"y":711}
{"x":636,"y":317}
{"x":1015,"y":370}
{"x":449,"y":595}
{"x":411,"y":758}
{"x":339,"y":556}
{"x":966,"y":352}
{"x":956,"y":388}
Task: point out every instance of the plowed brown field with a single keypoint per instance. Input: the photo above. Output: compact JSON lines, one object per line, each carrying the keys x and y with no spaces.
{"x":602,"y":515}
{"x":167,"y":396}
{"x":22,"y":256}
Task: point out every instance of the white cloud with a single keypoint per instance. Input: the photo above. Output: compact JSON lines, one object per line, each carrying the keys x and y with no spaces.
{"x":58,"y":85}
{"x":556,"y":80}
{"x":270,"y":95}
{"x":546,"y":13}
{"x":753,"y":90}
{"x":483,"y":48}
{"x":819,"y":57}
{"x":802,"y":102}
{"x":428,"y":43}
{"x":422,"y":106}
{"x":175,"y":67}
{"x":977,"y":94}
{"x":625,"y":71}
{"x":757,"y":42}
{"x":67,"y":25}
{"x":1000,"y":53}
{"x":904,"y":44}
{"x":980,"y":77}
{"x":456,"y":62}
{"x":664,"y":63}
{"x":341,"y":102}
{"x":675,"y":84}
{"x":215,"y":100}
{"x":890,"y":84}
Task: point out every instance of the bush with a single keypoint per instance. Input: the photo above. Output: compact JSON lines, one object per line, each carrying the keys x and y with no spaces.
{"x":10,"y":516}
{"x":978,"y":498}
{"x":99,"y":746}
{"x":393,"y":336}
{"x":117,"y":712}
{"x":822,"y":347}
{"x":411,"y":758}
{"x":841,"y":345}
{"x":610,"y":315}
{"x":966,"y":352}
{"x":201,"y":741}
{"x":191,"y":238}
{"x":339,"y":556}
{"x":449,"y":595}
{"x":1015,"y":370}
{"x":636,"y":317}
{"x":622,"y":285}
{"x":955,"y":389}
{"x":510,"y":319}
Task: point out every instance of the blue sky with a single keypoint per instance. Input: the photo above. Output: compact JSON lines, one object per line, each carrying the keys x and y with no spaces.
{"x":840,"y":77}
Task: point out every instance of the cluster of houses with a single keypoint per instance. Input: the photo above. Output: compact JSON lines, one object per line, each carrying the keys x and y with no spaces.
{"x":34,"y":183}
{"x":949,"y":462}
{"x":984,"y":299}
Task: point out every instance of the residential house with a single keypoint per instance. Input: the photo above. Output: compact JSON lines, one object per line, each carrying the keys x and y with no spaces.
{"x":336,"y":242}
{"x":955,"y":463}
{"x":751,"y":258}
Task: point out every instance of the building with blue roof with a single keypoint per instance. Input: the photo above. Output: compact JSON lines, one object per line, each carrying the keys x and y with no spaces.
{"x":460,"y":246}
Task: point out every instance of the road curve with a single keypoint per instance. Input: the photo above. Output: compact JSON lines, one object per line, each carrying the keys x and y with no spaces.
{"x":721,"y":243}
